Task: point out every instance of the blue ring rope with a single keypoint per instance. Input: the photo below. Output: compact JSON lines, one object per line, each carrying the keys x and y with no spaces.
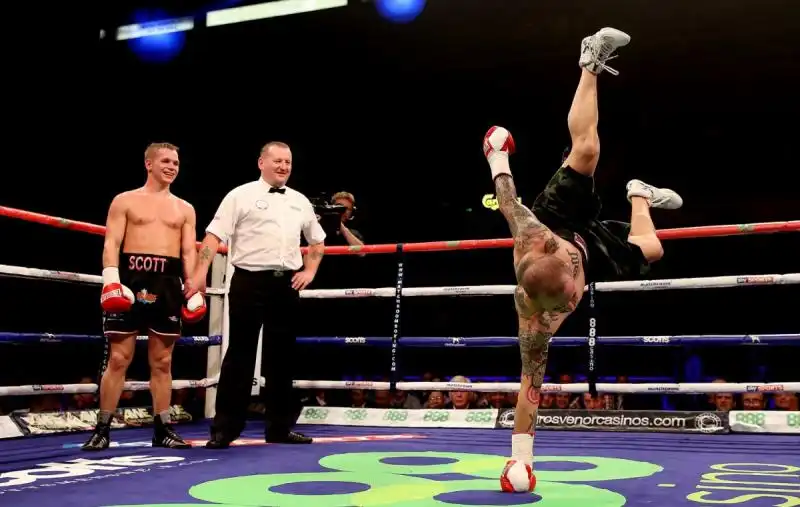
{"x":449,"y":341}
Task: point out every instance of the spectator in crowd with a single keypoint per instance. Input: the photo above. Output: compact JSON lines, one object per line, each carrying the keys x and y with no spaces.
{"x":562,"y":401}
{"x":316,"y":400}
{"x":461,"y":400}
{"x":383,"y":399}
{"x":497,"y":400}
{"x":724,"y":402}
{"x":712,"y":397}
{"x":547,"y":401}
{"x":786,"y":401}
{"x":358,"y":399}
{"x":511,"y":398}
{"x":404,"y":399}
{"x":83,"y":401}
{"x":592,"y":402}
{"x":753,"y":401}
{"x":436,"y":400}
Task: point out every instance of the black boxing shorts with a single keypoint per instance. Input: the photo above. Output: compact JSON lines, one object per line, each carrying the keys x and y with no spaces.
{"x":158,"y":291}
{"x":570,"y":207}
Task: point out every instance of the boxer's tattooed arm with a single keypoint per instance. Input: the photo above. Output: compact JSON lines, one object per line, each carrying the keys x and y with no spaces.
{"x":521,"y":304}
{"x":534,"y":341}
{"x":525,"y":227}
{"x":205,"y":254}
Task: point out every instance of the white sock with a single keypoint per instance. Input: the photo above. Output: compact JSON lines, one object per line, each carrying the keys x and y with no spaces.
{"x":522,"y":447}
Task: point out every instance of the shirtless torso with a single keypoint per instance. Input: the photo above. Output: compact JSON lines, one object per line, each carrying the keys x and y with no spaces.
{"x":154,"y":222}
{"x":536,"y":327}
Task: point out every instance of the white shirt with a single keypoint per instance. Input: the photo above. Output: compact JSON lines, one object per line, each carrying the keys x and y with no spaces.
{"x":262,"y":229}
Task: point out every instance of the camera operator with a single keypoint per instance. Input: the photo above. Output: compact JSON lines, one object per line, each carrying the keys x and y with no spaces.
{"x":334,"y":217}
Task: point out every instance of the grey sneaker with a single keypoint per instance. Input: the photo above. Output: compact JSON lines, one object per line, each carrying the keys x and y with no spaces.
{"x":663,"y":198}
{"x":597,"y":49}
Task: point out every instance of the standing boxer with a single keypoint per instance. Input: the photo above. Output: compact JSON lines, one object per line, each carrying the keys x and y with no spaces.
{"x":143,"y":291}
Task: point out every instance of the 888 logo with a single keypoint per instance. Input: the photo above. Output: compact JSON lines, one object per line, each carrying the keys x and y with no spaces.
{"x":395,"y":415}
{"x":436,"y":416}
{"x":754,"y":418}
{"x":358,"y":414}
{"x":316,"y":414}
{"x":793,"y":420}
{"x":422,"y":479}
{"x":483,"y":416}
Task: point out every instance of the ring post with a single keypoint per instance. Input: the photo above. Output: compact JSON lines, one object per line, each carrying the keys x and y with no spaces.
{"x":216,"y":312}
{"x":592,"y":341}
{"x":398,"y":296}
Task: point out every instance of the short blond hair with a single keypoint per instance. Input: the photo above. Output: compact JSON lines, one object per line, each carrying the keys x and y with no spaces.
{"x":277,"y":144}
{"x":153,"y":148}
{"x":343,"y":195}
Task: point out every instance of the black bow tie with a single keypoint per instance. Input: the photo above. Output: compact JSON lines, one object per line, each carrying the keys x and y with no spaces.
{"x":277,"y":190}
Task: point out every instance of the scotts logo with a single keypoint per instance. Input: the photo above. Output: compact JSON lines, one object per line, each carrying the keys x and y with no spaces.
{"x":484,"y":416}
{"x":655,"y":339}
{"x":355,"y":415}
{"x":79,"y":468}
{"x":395,"y":415}
{"x":436,"y":416}
{"x":317,"y":414}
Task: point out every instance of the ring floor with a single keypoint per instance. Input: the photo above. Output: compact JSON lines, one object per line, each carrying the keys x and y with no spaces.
{"x":404,"y":467}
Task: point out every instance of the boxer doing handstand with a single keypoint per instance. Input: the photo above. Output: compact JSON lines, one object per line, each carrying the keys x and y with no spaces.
{"x":143,"y":292}
{"x":561,"y":244}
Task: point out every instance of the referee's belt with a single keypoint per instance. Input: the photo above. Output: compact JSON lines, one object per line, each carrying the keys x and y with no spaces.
{"x":277,"y":273}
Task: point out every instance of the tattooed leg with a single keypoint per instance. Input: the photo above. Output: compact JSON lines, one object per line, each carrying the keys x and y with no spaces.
{"x":533,"y":345}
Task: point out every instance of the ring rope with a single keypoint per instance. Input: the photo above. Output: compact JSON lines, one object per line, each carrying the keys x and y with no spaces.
{"x":710,"y":282}
{"x":486,"y":387}
{"x":448,"y":341}
{"x":707,"y":231}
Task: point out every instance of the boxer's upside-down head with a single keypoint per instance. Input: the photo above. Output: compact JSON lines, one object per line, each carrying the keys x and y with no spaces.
{"x":547,"y":281}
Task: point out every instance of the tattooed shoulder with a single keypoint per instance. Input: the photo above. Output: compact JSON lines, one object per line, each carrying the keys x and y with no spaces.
{"x":575,"y":262}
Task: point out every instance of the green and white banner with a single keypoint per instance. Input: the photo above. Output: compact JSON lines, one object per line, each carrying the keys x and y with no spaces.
{"x":401,"y":418}
{"x":765,"y":421}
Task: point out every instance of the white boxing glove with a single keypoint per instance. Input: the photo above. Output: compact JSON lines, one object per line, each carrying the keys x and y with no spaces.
{"x":497,"y":146}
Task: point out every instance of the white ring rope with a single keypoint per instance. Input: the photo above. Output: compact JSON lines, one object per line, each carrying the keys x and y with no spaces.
{"x":488,"y":387}
{"x":711,"y":282}
{"x":66,"y":276}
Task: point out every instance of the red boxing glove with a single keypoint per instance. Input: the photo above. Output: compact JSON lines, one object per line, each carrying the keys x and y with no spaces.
{"x":115,"y":297}
{"x":195,"y":308}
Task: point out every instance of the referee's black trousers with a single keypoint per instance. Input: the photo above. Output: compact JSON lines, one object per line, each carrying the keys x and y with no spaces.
{"x":256,"y":299}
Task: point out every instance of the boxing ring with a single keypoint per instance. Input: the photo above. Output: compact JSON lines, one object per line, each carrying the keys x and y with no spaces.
{"x":424,"y":457}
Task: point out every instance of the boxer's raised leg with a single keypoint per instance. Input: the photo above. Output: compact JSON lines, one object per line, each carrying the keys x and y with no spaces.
{"x":583,"y":115}
{"x":643,"y":233}
{"x":582,"y":122}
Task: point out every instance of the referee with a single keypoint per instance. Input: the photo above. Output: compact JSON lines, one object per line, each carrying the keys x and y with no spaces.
{"x":261,"y":222}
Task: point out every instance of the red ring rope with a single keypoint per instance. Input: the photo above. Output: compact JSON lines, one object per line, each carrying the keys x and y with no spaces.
{"x":707,"y":231}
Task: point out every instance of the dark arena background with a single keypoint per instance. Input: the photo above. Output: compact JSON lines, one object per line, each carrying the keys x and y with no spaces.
{"x":410,"y":400}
